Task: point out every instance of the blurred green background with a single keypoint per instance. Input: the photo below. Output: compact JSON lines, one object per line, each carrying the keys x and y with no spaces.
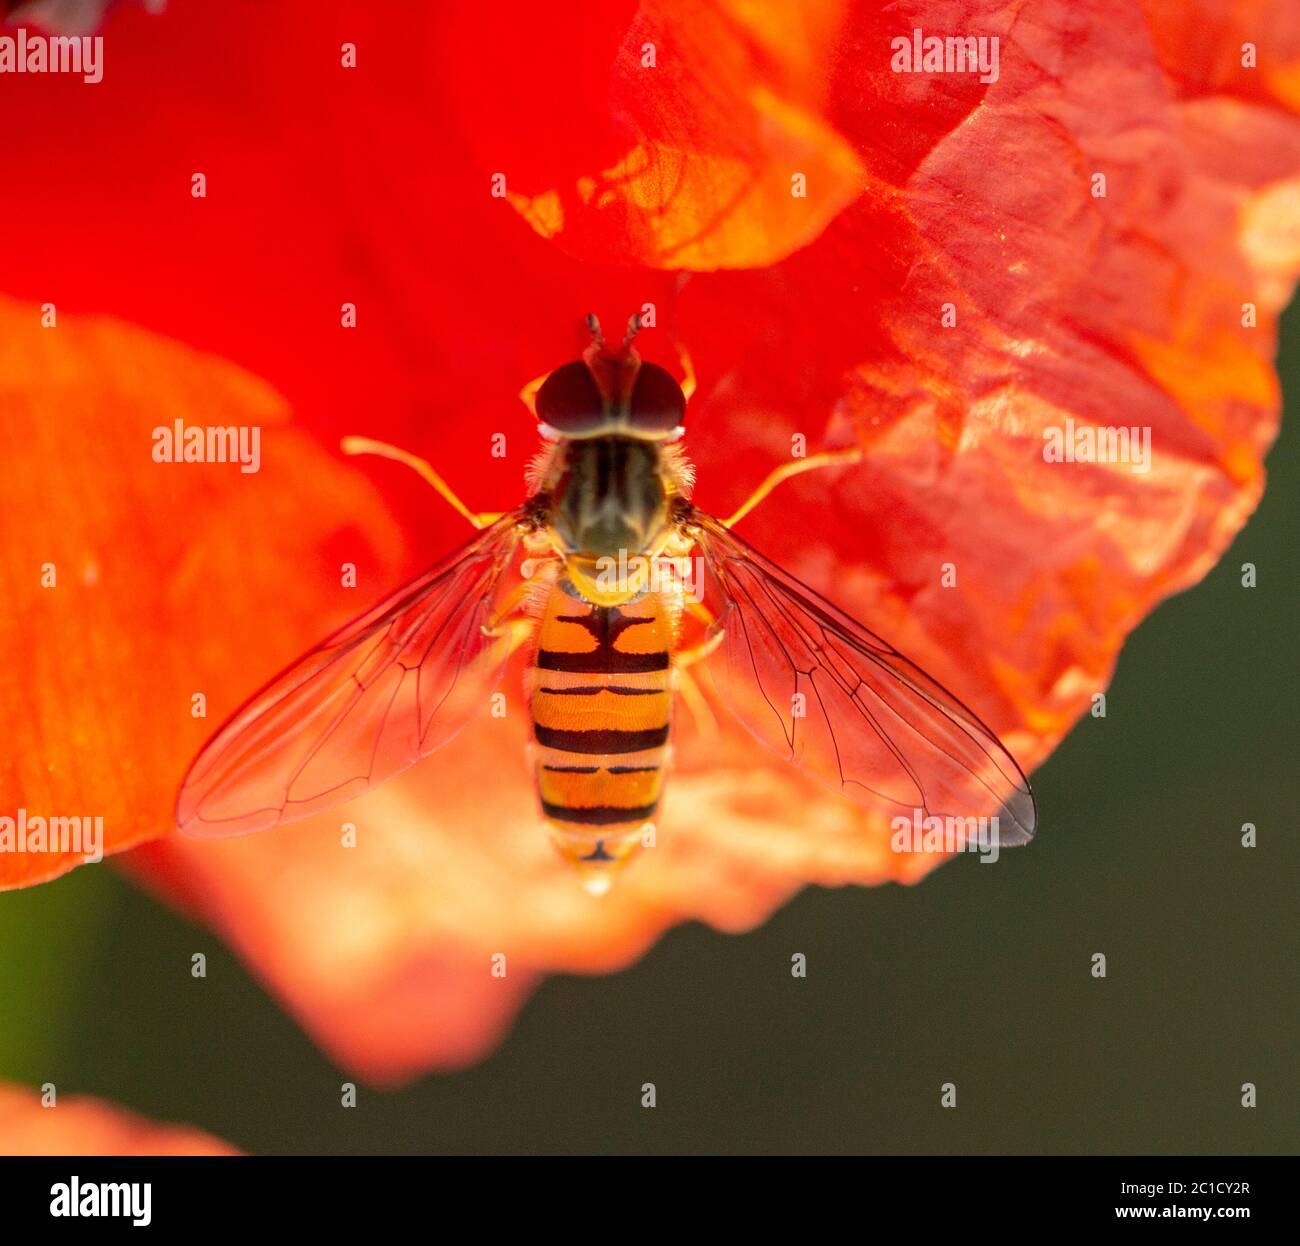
{"x":977,"y":976}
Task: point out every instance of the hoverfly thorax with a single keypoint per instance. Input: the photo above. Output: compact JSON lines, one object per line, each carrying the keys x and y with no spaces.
{"x":609,"y":497}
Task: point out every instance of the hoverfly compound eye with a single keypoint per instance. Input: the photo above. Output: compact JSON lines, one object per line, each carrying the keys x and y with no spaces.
{"x":657,"y":405}
{"x":569,"y":402}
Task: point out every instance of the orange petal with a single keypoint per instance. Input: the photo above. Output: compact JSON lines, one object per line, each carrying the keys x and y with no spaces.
{"x":82,"y":1125}
{"x":114,"y":562}
{"x":710,"y":148}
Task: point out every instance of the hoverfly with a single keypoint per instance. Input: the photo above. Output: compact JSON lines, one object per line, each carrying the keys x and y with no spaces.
{"x":611,"y":488}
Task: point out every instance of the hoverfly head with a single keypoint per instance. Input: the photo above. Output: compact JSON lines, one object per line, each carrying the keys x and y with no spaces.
{"x":611,"y":393}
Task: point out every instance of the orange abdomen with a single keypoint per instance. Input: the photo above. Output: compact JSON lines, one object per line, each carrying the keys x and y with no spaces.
{"x":601,"y":708}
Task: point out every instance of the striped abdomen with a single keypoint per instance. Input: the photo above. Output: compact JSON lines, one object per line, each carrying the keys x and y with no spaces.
{"x":601,"y":704}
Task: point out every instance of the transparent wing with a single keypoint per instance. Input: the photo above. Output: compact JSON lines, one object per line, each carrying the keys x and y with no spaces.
{"x":384,"y":691}
{"x":833,"y":698}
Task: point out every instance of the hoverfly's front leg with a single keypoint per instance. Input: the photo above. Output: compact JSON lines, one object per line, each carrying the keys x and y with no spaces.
{"x":688,"y":382}
{"x":510,"y":633}
{"x":512,"y":621}
{"x":528,"y":395}
{"x":696,"y":702}
{"x":503,"y":620}
{"x":828,"y":458}
{"x":712,"y":635}
{"x":422,"y":468}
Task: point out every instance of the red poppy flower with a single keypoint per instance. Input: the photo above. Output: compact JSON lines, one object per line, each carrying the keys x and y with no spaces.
{"x":951,"y":271}
{"x":81,"y":1125}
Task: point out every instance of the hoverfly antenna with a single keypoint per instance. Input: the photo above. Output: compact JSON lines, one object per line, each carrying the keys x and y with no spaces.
{"x":593,"y":323}
{"x":633,"y":328}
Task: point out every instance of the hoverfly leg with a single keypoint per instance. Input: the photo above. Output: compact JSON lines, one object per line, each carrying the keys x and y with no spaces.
{"x":697,"y":653}
{"x":422,"y":468}
{"x":512,"y":620}
{"x":688,"y":372}
{"x":706,"y":616}
{"x":828,"y":458}
{"x":706,"y":722}
{"x":713,"y":633}
{"x":528,"y":395}
{"x":505,"y":617}
{"x":692,"y":696}
{"x":509,"y":635}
